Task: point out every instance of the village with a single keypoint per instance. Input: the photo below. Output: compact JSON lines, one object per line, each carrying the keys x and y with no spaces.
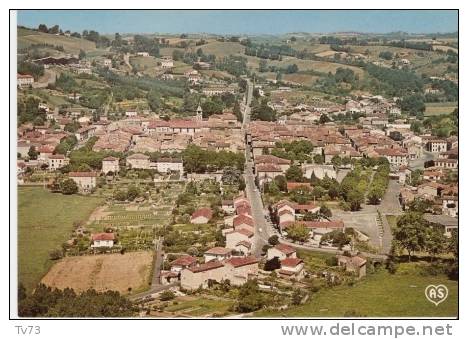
{"x":210,"y":181}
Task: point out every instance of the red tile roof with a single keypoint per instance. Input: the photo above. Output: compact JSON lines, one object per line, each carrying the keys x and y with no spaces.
{"x":242,"y":261}
{"x":219,"y":251}
{"x":242,"y":219}
{"x":286,"y":249}
{"x":291,"y":262}
{"x":210,"y":265}
{"x":184,"y":261}
{"x":203,"y":212}
{"x":103,"y":236}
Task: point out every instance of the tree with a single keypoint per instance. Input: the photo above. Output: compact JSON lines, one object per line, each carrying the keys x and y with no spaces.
{"x":272,"y":264}
{"x":273,"y":240}
{"x":132,"y":193}
{"x":324,"y":119}
{"x":250,"y":298}
{"x":294,"y":173}
{"x":120,"y":195}
{"x":281,"y":182}
{"x":32,"y":153}
{"x":298,"y":232}
{"x":336,"y":160}
{"x":319,"y":159}
{"x":82,"y":54}
{"x":337,"y":237}
{"x":68,"y":186}
{"x":410,"y":233}
{"x":43,"y":28}
{"x":296,"y":297}
{"x":436,"y":241}
{"x":325,"y":211}
{"x":355,"y":199}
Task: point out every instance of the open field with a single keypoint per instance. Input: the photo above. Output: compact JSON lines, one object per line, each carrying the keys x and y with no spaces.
{"x":313,"y":65}
{"x":379,"y":295}
{"x":222,"y":49}
{"x":45,"y":221}
{"x":440,"y":108}
{"x":70,"y":44}
{"x":102,"y":272}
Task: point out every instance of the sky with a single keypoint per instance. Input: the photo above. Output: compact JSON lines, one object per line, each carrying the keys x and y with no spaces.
{"x":244,"y":21}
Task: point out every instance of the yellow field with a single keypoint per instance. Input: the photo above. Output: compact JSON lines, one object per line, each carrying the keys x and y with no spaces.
{"x":440,"y":108}
{"x":70,"y":44}
{"x":102,"y":272}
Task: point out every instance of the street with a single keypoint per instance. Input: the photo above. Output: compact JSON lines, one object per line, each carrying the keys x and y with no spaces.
{"x":262,"y":229}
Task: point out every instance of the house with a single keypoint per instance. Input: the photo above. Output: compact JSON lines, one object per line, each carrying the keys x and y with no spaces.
{"x":446,"y":163}
{"x":235,"y":237}
{"x":166,"y":63}
{"x":110,"y":164}
{"x":267,"y":172}
{"x":138,"y":160}
{"x":143,"y":54}
{"x":57,"y":161}
{"x":436,"y":146}
{"x":292,"y":268}
{"x":86,"y":181}
{"x":394,"y":156}
{"x":240,"y":269}
{"x":217,"y":253}
{"x":430,"y":190}
{"x":243,"y":247}
{"x":85,"y":133}
{"x":281,"y":251}
{"x":201,"y":216}
{"x":227,"y":206}
{"x":319,"y":171}
{"x":24,"y":80}
{"x":243,"y":222}
{"x":199,"y":276}
{"x":165,"y":165}
{"x":449,"y":223}
{"x":185,"y":261}
{"x":354,"y":264}
{"x":103,"y":240}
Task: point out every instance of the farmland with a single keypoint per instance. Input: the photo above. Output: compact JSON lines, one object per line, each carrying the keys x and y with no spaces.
{"x":45,"y":221}
{"x":118,"y":272}
{"x":440,"y":108}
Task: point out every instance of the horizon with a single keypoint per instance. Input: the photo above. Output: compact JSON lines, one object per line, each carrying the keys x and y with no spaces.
{"x":246,"y":22}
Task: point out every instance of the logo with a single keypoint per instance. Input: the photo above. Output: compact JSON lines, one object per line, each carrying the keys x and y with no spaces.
{"x":436,"y":294}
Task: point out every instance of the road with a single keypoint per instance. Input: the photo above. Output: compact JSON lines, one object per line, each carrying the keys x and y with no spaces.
{"x":263,"y":230}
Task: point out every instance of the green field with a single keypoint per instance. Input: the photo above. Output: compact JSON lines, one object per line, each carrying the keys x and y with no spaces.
{"x":200,"y":307}
{"x":379,"y":295}
{"x":45,"y":221}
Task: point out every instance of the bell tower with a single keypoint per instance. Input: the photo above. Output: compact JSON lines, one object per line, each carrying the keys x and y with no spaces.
{"x":199,"y":116}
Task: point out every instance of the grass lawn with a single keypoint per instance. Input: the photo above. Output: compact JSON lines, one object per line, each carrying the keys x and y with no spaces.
{"x":45,"y":221}
{"x":379,"y":295}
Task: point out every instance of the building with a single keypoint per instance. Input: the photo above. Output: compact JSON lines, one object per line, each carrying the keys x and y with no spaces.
{"x":201,"y":216}
{"x":86,"y":181}
{"x":165,"y":165}
{"x":85,"y":133}
{"x":446,"y":163}
{"x":57,"y":161}
{"x":354,"y":264}
{"x":139,"y":161}
{"x":24,"y":80}
{"x":436,"y":146}
{"x":292,"y":268}
{"x":281,"y":251}
{"x":103,"y":240}
{"x":217,"y":253}
{"x":199,"y":276}
{"x":394,"y":156}
{"x":237,"y":236}
{"x":167,"y":63}
{"x":449,"y":223}
{"x":110,"y":164}
{"x":185,"y":261}
{"x":240,"y":269}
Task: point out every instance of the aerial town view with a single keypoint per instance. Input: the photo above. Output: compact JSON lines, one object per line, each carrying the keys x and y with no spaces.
{"x":183,"y":172}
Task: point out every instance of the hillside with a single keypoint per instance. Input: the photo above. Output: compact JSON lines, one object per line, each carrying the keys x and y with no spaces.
{"x":71,"y":45}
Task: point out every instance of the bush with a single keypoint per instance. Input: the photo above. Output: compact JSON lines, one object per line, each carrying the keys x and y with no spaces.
{"x":331,"y":261}
{"x":56,"y":254}
{"x":166,"y":295}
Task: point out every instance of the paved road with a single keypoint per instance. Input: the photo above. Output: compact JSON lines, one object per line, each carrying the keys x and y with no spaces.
{"x":155,"y":280}
{"x":419,"y":163}
{"x":262,"y":229}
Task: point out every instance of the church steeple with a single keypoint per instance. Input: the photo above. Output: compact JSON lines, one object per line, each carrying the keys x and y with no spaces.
{"x":199,"y":116}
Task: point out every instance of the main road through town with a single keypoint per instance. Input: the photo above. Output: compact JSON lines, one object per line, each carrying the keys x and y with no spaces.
{"x":263,"y":230}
